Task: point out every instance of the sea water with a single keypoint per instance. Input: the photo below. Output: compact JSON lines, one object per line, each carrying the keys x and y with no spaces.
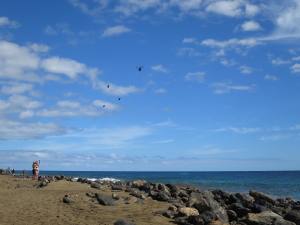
{"x":275,"y":183}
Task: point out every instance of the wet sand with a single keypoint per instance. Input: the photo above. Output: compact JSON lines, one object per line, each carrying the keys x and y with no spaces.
{"x":22,"y":203}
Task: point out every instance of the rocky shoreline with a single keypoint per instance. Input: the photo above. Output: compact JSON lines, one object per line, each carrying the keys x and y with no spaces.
{"x":191,"y":206}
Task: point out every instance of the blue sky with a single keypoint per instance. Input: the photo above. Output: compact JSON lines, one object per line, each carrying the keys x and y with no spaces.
{"x":219,"y":88}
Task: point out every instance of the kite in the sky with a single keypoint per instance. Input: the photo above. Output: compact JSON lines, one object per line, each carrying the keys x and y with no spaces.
{"x":140,"y":68}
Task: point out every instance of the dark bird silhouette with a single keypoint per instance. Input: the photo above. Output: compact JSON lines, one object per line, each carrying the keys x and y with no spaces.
{"x":103,"y":106}
{"x":108,"y":86}
{"x":140,"y":68}
{"x":119,"y":99}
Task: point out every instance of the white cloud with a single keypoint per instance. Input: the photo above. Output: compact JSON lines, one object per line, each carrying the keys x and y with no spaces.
{"x":191,"y":52}
{"x":187,"y":5}
{"x":26,"y":114}
{"x":160,"y":68}
{"x":245,"y":69}
{"x":160,"y":91}
{"x":189,"y":41}
{"x":297,"y":58}
{"x":130,"y":7}
{"x":93,"y":10}
{"x":251,"y":26}
{"x":17,"y":103}
{"x":195,"y":76}
{"x":6,"y":22}
{"x":114,"y":89}
{"x":16,"y":88}
{"x":115,"y":31}
{"x":286,"y":22}
{"x":251,"y":10}
{"x":16,"y":130}
{"x":296,"y":68}
{"x":226,"y":87}
{"x":39,"y":47}
{"x":74,"y":108}
{"x":271,"y":77}
{"x":230,"y":8}
{"x":249,"y":42}
{"x":275,"y":137}
{"x":279,"y":61}
{"x":118,"y":137}
{"x":106,"y":105}
{"x":68,"y":67}
{"x":16,"y":62}
{"x":239,"y":130}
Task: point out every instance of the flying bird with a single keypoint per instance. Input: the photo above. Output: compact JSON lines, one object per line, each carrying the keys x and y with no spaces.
{"x":119,"y":99}
{"x":108,"y":86}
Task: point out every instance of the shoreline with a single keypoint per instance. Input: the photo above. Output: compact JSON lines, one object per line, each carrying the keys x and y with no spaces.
{"x":276,"y":184}
{"x":179,"y":204}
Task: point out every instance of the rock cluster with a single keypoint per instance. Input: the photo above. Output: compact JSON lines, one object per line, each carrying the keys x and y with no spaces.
{"x":192,"y":206}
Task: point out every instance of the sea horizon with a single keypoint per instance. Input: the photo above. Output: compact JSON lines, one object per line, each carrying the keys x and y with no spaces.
{"x":275,"y":183}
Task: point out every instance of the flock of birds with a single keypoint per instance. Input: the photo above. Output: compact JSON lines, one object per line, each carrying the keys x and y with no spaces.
{"x":139,"y":68}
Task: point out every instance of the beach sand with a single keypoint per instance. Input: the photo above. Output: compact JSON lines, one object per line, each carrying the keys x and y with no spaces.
{"x":21,"y":203}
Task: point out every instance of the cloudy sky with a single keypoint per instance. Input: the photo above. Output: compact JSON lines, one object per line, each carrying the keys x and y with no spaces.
{"x":219,"y":87}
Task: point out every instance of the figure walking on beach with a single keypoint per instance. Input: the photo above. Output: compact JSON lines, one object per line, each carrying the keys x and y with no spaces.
{"x":35,"y":170}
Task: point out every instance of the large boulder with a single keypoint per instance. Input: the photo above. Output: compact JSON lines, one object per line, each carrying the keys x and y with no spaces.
{"x":294,"y":216}
{"x":262,"y":198}
{"x":188,"y":211}
{"x":105,"y":200}
{"x":67,"y":199}
{"x":95,"y":185}
{"x":138,"y":183}
{"x":138,"y":194}
{"x":266,"y":218}
{"x":245,"y":199}
{"x":240,"y":210}
{"x":204,"y":202}
{"x":222,"y":197}
{"x":117,"y":187}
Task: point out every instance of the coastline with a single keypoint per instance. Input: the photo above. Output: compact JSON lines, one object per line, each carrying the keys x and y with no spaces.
{"x":84,"y":201}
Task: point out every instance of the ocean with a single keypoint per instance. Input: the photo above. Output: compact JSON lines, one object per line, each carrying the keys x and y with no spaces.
{"x":275,"y":183}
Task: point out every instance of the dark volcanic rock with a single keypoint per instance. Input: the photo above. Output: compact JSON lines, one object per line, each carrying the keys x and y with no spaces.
{"x":262,"y":198}
{"x":183,"y":221}
{"x":232,"y":215}
{"x":105,"y":200}
{"x":245,"y":199}
{"x":256,"y":208}
{"x":138,"y":194}
{"x":240,"y":210}
{"x":222,"y":197}
{"x":168,"y":214}
{"x":294,"y":216}
{"x":43,"y":183}
{"x":173,"y":188}
{"x":67,"y":199}
{"x":160,"y":196}
{"x":266,"y":218}
{"x":117,"y":187}
{"x":122,"y":222}
{"x":206,"y":204}
{"x":95,"y":185}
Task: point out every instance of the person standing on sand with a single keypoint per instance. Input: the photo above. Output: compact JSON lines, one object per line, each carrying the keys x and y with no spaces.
{"x":35,"y":170}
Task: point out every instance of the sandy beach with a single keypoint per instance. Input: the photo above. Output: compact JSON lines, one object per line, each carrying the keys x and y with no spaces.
{"x":66,"y":200}
{"x":21,"y":203}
